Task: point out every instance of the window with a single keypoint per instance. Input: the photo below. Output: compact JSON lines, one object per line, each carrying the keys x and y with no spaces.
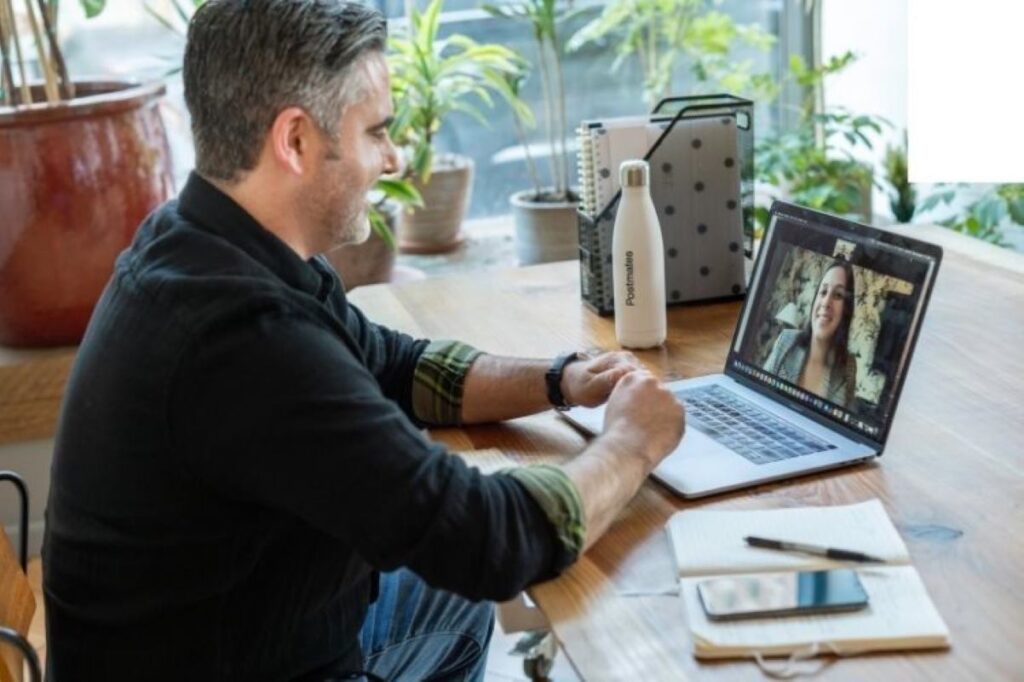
{"x":593,"y":90}
{"x":125,"y":40}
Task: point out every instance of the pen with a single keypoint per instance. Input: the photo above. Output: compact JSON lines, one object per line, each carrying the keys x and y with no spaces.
{"x":830,"y":552}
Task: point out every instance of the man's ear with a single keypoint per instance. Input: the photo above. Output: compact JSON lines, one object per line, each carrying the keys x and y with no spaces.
{"x":292,"y":140}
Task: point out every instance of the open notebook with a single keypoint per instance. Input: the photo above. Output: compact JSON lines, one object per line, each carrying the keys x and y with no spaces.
{"x":900,"y":614}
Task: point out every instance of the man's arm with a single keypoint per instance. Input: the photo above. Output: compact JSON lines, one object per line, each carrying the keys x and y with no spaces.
{"x":498,"y":388}
{"x":456,"y":383}
{"x":643,"y":423}
{"x":282,"y":414}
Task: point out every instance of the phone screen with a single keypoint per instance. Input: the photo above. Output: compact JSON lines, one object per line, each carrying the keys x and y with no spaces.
{"x":782,"y":594}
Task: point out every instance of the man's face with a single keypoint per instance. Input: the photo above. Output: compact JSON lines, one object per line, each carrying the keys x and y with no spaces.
{"x":352,"y":163}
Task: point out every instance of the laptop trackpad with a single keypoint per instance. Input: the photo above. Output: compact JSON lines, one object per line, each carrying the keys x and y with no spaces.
{"x":700,"y":458}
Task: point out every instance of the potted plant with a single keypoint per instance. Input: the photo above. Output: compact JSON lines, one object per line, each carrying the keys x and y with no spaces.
{"x":903,"y":198}
{"x":431,"y":78}
{"x":661,"y":33}
{"x":807,"y":165}
{"x":545,"y":216}
{"x":984,"y":212}
{"x":83,"y":164}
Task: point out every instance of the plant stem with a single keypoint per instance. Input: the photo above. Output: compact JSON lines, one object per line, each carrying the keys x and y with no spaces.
{"x":58,"y":56}
{"x":562,"y":184}
{"x":819,"y":85}
{"x":549,"y":116}
{"x":641,"y":53}
{"x":50,"y":79}
{"x":652,"y":61}
{"x":12,"y":27}
{"x":8,"y":76}
{"x":531,"y":168}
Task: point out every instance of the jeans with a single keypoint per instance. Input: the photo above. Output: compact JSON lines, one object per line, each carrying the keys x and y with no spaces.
{"x":414,"y":632}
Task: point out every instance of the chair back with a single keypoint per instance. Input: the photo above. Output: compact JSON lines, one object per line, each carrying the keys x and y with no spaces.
{"x":17,"y":606}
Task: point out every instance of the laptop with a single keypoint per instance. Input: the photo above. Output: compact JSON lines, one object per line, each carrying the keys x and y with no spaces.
{"x":816,"y":365}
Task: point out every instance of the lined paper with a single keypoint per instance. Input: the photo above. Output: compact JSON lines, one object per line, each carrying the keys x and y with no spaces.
{"x":711,"y":542}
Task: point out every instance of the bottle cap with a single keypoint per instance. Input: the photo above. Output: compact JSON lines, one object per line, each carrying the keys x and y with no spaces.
{"x":634,"y":173}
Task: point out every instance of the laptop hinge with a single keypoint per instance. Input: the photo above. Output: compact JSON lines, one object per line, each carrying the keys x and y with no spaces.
{"x":805,"y":411}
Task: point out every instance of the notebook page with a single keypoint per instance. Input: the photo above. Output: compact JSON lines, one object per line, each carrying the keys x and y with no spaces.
{"x":899,"y":615}
{"x":707,"y":543}
{"x":488,"y":460}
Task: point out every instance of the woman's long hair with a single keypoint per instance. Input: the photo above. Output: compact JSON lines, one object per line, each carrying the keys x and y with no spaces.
{"x":840,"y":340}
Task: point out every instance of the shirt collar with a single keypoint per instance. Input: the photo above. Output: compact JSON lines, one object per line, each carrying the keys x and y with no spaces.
{"x":215,"y":212}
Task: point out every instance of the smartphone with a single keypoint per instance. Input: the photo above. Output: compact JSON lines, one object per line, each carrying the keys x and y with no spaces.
{"x":781,"y":594}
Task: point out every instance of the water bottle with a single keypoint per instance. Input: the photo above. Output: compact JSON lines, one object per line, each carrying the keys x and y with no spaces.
{"x":638,"y":263}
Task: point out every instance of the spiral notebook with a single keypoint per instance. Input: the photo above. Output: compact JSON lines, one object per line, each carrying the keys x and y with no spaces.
{"x":900,"y":615}
{"x":604,"y":145}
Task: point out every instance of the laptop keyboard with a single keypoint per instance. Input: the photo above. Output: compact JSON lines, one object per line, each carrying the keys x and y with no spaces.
{"x":743,"y":427}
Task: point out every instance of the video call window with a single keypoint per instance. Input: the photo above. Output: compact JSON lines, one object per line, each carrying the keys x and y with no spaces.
{"x":832,"y":319}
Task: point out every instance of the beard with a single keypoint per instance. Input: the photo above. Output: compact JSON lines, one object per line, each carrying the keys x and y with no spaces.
{"x":340,"y":219}
{"x":355,"y":229}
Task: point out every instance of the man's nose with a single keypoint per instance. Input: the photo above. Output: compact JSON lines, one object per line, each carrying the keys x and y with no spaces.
{"x":390,"y":159}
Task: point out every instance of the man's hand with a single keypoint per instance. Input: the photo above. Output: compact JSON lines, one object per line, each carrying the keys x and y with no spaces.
{"x":643,"y":422}
{"x":646,"y":414}
{"x":589,"y":382}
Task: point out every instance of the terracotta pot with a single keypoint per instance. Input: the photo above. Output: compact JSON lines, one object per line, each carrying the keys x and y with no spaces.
{"x":436,"y":226}
{"x":371,"y":262}
{"x":77,"y":179}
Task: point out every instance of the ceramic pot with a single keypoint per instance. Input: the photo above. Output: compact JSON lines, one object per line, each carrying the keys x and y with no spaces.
{"x":546,"y":231}
{"x":371,"y":262}
{"x":76,"y":179}
{"x":436,"y":226}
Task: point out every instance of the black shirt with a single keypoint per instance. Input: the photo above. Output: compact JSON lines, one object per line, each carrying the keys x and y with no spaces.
{"x":237,"y":456}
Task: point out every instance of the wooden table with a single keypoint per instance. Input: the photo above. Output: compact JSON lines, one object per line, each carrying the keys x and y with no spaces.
{"x":951,"y":477}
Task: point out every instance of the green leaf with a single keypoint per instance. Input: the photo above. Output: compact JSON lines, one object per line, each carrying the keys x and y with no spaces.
{"x":182,"y":13}
{"x":990,"y":211}
{"x":1015,"y":208}
{"x":93,"y":7}
{"x":379,"y":224}
{"x":932,"y":201}
{"x":471,"y":111}
{"x":401,"y":191}
{"x":432,"y":78}
{"x":422,"y":158}
{"x":761,"y":217}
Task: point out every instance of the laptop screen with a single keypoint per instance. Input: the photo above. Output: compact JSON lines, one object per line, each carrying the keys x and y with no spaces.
{"x":832,"y":317}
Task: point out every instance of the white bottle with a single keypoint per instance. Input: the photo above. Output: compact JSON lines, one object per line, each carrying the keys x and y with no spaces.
{"x":638,"y":263}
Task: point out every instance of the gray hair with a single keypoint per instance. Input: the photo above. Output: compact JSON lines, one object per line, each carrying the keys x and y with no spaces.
{"x":248,"y":60}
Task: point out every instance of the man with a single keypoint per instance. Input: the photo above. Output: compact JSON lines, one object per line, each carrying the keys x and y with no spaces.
{"x":239,"y":452}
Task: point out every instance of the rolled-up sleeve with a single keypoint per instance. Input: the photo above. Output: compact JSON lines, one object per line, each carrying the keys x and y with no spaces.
{"x":556,"y":494}
{"x":439,"y":381}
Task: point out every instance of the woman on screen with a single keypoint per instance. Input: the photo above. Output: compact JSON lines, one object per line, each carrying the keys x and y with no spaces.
{"x":816,"y":358}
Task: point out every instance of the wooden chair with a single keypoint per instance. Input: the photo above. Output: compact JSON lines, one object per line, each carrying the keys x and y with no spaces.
{"x":17,"y":603}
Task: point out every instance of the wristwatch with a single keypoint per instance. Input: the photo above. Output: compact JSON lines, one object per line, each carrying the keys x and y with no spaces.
{"x":553,"y":379}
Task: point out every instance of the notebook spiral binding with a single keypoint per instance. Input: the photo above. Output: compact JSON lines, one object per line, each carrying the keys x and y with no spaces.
{"x":702,"y":184}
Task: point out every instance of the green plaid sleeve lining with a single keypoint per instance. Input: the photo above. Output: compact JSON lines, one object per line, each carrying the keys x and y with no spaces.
{"x":558,"y":497}
{"x":439,"y":379}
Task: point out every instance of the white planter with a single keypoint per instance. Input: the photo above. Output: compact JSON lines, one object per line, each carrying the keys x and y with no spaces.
{"x":545,"y":231}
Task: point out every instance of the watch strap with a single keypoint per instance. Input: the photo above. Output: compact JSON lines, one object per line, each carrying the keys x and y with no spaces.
{"x":553,"y":379}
